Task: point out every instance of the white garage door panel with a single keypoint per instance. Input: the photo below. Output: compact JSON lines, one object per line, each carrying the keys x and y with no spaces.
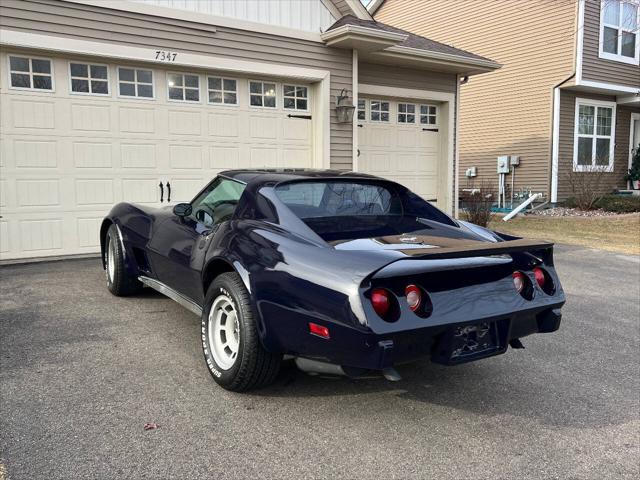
{"x":67,"y":159}
{"x":401,"y":152}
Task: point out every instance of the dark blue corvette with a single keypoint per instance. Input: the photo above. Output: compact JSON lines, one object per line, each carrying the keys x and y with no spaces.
{"x":346,"y":272}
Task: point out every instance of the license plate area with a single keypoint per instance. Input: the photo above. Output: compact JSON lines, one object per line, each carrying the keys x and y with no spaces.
{"x":472,"y":341}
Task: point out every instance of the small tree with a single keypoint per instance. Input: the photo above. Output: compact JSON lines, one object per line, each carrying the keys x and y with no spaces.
{"x":477,"y":203}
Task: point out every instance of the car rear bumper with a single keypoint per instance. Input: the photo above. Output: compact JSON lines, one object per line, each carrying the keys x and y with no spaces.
{"x":450,"y":344}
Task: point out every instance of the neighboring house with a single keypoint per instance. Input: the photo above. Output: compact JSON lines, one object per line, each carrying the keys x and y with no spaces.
{"x":145,"y":101}
{"x":567,"y":98}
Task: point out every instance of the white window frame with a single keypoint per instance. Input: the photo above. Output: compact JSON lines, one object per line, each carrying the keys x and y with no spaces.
{"x":184,"y":88}
{"x":30,"y":58}
{"x":619,"y":57}
{"x":295,"y":97}
{"x":416,"y":114}
{"x":358,"y":109}
{"x":223,"y":91}
{"x":420,"y":115}
{"x":89,"y":78}
{"x":135,"y":83}
{"x":276,"y":87}
{"x":594,"y":135}
{"x":390,"y":111}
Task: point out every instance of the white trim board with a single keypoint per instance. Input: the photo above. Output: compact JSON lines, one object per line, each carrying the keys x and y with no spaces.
{"x":405,"y":93}
{"x":555,"y":147}
{"x":201,"y":18}
{"x":635,"y":117}
{"x":579,"y":41}
{"x":99,"y":49}
{"x":609,"y":86}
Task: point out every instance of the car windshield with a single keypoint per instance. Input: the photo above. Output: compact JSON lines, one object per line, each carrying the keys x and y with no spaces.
{"x":345,"y":209}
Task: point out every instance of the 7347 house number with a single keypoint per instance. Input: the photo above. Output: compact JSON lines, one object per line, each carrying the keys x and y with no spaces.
{"x":165,"y":56}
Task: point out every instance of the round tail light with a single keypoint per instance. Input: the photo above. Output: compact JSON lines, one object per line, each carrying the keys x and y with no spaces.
{"x":381,"y":301}
{"x":540,"y":277}
{"x":519,"y":281}
{"x":414,"y":297}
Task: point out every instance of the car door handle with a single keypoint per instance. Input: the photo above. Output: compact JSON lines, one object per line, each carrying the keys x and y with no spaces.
{"x":168,"y":192}
{"x":161,"y":192}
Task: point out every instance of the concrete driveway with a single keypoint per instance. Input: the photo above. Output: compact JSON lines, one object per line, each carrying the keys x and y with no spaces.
{"x":83,"y":371}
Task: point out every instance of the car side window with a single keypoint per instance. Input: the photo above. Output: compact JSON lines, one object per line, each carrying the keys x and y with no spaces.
{"x":218,"y":202}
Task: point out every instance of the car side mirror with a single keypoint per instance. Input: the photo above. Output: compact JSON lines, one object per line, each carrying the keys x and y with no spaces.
{"x":182,"y":210}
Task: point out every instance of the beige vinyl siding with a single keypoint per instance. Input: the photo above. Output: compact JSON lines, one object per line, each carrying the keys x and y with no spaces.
{"x":126,"y":28}
{"x":612,"y":180}
{"x":392,"y":76}
{"x":506,"y":112}
{"x":600,"y":69}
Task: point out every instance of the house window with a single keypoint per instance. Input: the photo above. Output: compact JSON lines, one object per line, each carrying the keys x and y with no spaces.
{"x":222,"y":90}
{"x":594,"y":135}
{"x":406,"y":113}
{"x":379,"y":111}
{"x":428,"y":115}
{"x":134,"y":82}
{"x":619,"y":22}
{"x":295,"y":97}
{"x":88,"y":78}
{"x":30,"y":73}
{"x":362,"y":109}
{"x":262,"y":94}
{"x":183,"y":87}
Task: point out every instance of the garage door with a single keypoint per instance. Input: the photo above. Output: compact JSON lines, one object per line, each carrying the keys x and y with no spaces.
{"x":401,"y":141}
{"x":79,"y":136}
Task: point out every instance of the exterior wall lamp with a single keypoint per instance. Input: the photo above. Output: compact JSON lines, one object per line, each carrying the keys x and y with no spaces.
{"x":344,"y":107}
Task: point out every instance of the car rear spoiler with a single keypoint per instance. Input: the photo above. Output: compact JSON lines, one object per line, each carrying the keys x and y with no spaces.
{"x":462,"y":257}
{"x":479,"y":249}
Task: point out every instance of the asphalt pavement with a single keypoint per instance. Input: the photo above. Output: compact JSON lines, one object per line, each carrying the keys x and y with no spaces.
{"x":81,"y":372}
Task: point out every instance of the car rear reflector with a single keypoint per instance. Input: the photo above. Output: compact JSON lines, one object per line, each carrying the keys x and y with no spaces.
{"x":381,"y":301}
{"x":318,"y":330}
{"x":414,"y":297}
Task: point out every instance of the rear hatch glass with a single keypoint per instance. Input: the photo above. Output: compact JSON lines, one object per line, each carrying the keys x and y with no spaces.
{"x":348,"y":209}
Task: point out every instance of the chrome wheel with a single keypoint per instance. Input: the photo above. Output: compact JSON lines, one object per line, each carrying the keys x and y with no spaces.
{"x":224,"y":332}
{"x":111,"y":260}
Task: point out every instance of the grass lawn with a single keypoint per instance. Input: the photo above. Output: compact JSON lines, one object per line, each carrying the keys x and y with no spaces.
{"x":620,"y":233}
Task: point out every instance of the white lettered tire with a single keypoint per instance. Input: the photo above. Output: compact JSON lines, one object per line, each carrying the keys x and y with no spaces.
{"x":232,"y":350}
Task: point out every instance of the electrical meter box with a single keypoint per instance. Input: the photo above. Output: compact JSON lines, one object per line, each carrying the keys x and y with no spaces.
{"x":503,"y":164}
{"x":514,"y":160}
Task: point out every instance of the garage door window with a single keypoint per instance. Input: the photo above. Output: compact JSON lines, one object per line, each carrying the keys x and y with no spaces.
{"x":379,"y":111}
{"x":428,"y":115}
{"x":406,"y":113}
{"x":362,"y":109}
{"x":262,"y":94}
{"x":30,"y":73}
{"x":133,"y":82}
{"x":295,"y":97}
{"x":90,"y":79}
{"x":222,"y":90}
{"x":184,"y":87}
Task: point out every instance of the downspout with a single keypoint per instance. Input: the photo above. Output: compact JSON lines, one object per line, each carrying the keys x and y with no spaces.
{"x":555,"y":137}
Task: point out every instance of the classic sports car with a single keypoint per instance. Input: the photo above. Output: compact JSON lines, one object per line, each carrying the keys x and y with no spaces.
{"x":347,"y":273}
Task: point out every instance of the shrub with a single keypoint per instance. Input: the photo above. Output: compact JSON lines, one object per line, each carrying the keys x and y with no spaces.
{"x":620,"y":203}
{"x":634,"y":171}
{"x":477,"y":203}
{"x":587,"y":187}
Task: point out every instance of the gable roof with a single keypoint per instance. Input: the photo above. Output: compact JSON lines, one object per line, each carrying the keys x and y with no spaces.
{"x":412,"y":41}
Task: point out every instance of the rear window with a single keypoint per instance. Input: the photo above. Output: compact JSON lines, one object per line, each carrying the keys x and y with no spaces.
{"x":341,"y":209}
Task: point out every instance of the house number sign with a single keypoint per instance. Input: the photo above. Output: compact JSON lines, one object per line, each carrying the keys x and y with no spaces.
{"x":166,"y":56}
